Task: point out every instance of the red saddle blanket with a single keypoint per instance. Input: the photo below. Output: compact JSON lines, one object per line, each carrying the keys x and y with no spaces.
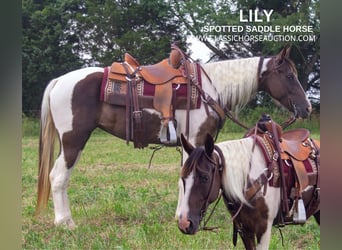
{"x":111,"y":90}
{"x":290,"y":173}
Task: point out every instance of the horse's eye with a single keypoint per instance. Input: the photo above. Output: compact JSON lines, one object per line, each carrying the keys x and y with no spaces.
{"x":290,"y":76}
{"x":203,"y":178}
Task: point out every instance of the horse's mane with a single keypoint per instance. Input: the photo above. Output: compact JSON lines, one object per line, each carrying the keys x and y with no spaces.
{"x":238,"y":156}
{"x":236,"y":81}
{"x":291,"y":64}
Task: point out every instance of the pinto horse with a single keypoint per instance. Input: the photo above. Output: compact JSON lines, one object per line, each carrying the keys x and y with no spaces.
{"x":241,"y":170}
{"x":71,"y":110}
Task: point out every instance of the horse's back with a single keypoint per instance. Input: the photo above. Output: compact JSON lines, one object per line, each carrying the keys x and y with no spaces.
{"x":79,"y":74}
{"x":66,"y":83}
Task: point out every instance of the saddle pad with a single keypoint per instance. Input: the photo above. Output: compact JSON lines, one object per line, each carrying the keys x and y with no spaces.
{"x":310,"y":168}
{"x":111,"y":87}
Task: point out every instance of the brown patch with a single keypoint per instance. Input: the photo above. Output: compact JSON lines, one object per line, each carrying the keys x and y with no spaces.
{"x":89,"y":112}
{"x":210,"y":126}
{"x":85,"y":105}
{"x":251,"y":221}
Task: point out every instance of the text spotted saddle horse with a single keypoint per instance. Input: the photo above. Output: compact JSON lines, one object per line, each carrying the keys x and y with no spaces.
{"x":130,"y":82}
{"x":293,"y":165}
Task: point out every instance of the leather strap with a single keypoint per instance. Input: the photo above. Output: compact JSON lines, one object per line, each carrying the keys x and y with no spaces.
{"x":285,"y":205}
{"x":128,"y":106}
{"x":135,"y":129}
{"x":184,"y":63}
{"x":137,"y":118}
{"x":214,"y":105}
{"x":254,"y":187}
{"x":261,"y":61}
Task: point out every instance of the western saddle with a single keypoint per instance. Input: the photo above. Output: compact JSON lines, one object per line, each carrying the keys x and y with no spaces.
{"x":175,"y":70}
{"x":295,"y":150}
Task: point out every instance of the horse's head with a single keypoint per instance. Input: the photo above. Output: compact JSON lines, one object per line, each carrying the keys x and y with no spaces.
{"x":279,"y":79}
{"x":199,"y":184}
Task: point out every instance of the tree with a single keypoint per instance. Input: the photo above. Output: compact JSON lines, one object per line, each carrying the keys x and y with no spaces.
{"x":46,"y":50}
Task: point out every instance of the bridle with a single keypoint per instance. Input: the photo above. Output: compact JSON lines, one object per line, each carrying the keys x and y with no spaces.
{"x":218,"y":167}
{"x":275,"y":69}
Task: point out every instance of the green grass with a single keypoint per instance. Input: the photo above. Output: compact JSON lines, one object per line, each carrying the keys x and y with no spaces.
{"x":118,"y":203}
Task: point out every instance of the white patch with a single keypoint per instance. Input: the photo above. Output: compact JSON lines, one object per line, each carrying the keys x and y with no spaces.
{"x":272,"y":199}
{"x":59,"y":178}
{"x":183,"y":208}
{"x":61,"y":97}
{"x":264,"y":66}
{"x":180,"y":197}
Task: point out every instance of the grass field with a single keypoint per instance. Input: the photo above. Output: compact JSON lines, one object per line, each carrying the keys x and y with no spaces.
{"x":118,"y":203}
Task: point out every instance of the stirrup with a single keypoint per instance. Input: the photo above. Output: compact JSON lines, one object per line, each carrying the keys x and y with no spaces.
{"x":172,"y":132}
{"x":299,"y":214}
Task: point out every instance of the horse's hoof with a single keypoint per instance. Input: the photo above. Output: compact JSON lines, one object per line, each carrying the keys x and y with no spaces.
{"x":67,"y":223}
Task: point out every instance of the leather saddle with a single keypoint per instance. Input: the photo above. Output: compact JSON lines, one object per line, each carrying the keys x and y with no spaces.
{"x":299,"y":152}
{"x":162,"y":75}
{"x":173,"y":70}
{"x":157,"y":74}
{"x":295,"y":145}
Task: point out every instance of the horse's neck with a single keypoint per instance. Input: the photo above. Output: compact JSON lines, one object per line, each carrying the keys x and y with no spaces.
{"x":241,"y":161}
{"x":236,"y":81}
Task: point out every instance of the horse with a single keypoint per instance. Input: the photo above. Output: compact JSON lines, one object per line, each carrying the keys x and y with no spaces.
{"x":71,"y":110}
{"x":240,"y":171}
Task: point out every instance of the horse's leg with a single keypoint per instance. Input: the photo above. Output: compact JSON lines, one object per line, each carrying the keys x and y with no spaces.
{"x":248,"y":239}
{"x":74,"y":106}
{"x":317,"y":216}
{"x":272,"y":200}
{"x":266,"y":236}
{"x":59,"y":178}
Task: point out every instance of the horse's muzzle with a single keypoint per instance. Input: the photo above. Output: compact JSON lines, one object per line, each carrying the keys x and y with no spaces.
{"x":303,"y":113}
{"x":186,"y":225}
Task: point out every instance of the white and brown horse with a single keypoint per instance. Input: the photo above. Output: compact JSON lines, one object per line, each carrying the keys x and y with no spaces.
{"x":71,"y":110}
{"x":240,"y":169}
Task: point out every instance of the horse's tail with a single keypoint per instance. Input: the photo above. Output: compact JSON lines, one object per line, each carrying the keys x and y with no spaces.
{"x":46,"y":149}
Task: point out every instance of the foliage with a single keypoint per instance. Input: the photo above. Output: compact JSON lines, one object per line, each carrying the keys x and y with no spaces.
{"x":143,"y":28}
{"x":46,"y":50}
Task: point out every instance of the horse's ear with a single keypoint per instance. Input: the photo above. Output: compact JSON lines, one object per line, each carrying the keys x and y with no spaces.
{"x":186,"y":145}
{"x":284,"y":53}
{"x":209,"y":145}
{"x":288,"y":50}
